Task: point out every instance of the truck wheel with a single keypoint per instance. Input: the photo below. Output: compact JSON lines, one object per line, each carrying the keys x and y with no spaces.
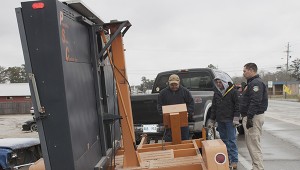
{"x":211,"y":133}
{"x":240,"y":129}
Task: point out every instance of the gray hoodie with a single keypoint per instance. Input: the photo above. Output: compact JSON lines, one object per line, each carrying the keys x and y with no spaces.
{"x":225,"y":79}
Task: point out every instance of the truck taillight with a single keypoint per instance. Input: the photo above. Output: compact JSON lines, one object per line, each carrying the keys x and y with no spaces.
{"x":220,"y":158}
{"x":38,"y":5}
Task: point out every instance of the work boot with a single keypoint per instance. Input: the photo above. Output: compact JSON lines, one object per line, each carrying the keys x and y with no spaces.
{"x":234,"y":165}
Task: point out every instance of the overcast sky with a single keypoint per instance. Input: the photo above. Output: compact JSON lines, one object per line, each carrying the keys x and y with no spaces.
{"x":173,"y":34}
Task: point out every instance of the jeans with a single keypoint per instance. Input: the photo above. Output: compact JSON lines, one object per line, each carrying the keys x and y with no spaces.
{"x":228,"y":135}
{"x":185,"y":134}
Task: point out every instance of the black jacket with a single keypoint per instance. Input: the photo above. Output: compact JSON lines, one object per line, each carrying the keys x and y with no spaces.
{"x":225,"y":108}
{"x":255,"y":98}
{"x":182,"y":95}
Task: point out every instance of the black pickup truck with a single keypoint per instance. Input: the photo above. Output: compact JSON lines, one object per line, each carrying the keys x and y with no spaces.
{"x":199,"y":81}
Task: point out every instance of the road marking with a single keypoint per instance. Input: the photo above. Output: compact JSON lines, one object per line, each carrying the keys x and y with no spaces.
{"x":291,"y":120}
{"x":244,"y":162}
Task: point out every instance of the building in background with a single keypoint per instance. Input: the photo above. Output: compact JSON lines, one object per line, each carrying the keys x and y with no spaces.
{"x":15,"y":98}
{"x":277,"y":88}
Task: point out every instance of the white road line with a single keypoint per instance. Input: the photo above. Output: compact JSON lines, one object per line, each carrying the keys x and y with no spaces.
{"x":292,"y":121}
{"x":244,"y":162}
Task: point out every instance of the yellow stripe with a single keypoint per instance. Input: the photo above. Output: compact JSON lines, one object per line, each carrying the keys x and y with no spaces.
{"x":228,"y":90}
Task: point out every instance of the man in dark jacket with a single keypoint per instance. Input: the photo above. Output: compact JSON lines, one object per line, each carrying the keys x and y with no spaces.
{"x":254,"y":103}
{"x":225,"y":110}
{"x":176,"y":94}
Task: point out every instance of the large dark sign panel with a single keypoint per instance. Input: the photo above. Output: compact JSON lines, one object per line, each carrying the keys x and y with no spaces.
{"x":57,"y":49}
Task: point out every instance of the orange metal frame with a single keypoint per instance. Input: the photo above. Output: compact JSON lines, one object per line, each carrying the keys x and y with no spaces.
{"x":165,"y":156}
{"x":117,"y":61}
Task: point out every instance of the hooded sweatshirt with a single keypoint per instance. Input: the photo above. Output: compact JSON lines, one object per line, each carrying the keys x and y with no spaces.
{"x":225,"y":104}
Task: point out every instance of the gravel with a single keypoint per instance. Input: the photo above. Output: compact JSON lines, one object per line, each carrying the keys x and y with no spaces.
{"x":11,"y":126}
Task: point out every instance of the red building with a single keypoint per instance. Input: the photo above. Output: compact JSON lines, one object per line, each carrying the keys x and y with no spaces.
{"x":15,"y":98}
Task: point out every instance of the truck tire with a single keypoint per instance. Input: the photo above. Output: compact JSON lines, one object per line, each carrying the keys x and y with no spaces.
{"x":211,"y":133}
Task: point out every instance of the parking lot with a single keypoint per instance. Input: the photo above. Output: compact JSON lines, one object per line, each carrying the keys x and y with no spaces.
{"x":11,"y":126}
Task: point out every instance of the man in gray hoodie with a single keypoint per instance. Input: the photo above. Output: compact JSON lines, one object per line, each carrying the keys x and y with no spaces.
{"x":225,"y":110}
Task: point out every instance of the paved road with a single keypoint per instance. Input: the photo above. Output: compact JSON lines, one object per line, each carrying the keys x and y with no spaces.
{"x":280,"y":140}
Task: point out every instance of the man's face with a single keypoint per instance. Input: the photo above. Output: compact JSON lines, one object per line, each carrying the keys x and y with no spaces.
{"x":174,"y":86}
{"x":248,"y":73}
{"x":219,"y":84}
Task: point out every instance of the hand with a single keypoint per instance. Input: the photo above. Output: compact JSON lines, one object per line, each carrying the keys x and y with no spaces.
{"x":249,"y":123}
{"x":210,"y":123}
{"x":190,"y":117}
{"x":236,"y":121}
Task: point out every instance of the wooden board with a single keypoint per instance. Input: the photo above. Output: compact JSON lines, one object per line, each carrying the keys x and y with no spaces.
{"x":189,"y":160}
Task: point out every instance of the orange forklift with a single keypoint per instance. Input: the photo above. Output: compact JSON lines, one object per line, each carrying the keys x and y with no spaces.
{"x":78,"y":80}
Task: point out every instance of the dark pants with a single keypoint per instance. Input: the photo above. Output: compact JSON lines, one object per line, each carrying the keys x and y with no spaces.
{"x":185,"y":134}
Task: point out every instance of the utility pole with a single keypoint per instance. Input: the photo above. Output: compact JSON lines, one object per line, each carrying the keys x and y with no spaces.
{"x":287,"y":65}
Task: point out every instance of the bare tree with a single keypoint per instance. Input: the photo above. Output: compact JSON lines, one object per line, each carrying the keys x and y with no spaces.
{"x":2,"y":74}
{"x":212,"y":66}
{"x":146,"y":84}
{"x":16,"y":74}
{"x":295,"y":69}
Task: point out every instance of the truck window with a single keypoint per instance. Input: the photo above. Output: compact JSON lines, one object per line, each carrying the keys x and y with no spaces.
{"x":194,"y":81}
{"x":198,"y":81}
{"x":160,"y":83}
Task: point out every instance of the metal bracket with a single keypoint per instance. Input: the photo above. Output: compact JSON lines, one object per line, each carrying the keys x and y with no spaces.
{"x":111,"y":118}
{"x":104,"y":161}
{"x":100,"y":64}
{"x":42,"y":116}
{"x":84,"y":20}
{"x":41,"y":109}
{"x":123,"y":24}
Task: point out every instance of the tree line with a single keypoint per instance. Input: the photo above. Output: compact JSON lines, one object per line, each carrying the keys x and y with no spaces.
{"x":13,"y":74}
{"x":145,"y":85}
{"x":18,"y":75}
{"x":282,"y":73}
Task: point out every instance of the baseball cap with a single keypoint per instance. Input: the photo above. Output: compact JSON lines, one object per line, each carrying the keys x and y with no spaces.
{"x":174,"y":79}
